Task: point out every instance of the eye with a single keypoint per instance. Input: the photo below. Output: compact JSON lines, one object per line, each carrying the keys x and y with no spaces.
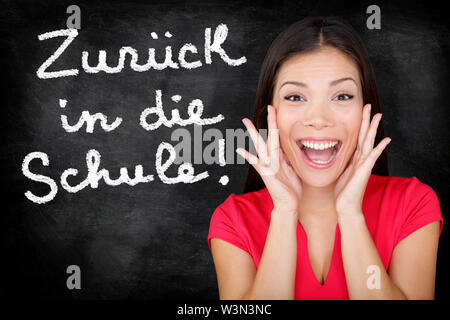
{"x":345,"y":97}
{"x":293,"y":97}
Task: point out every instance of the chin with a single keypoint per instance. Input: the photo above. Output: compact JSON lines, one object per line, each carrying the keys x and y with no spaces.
{"x":318,"y":180}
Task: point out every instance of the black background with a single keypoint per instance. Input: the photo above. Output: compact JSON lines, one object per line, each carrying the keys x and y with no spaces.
{"x":149,"y":241}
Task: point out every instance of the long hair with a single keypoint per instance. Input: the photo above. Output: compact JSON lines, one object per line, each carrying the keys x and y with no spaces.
{"x":308,"y":35}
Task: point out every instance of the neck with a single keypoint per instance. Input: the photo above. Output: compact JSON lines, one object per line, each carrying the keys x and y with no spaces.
{"x":317,"y":204}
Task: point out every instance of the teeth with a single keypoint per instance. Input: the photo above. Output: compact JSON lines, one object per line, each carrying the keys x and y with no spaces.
{"x":319,"y":145}
{"x":325,"y":162}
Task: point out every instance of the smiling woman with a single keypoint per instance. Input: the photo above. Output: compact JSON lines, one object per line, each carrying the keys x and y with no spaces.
{"x":320,"y":213}
{"x":328,"y":106}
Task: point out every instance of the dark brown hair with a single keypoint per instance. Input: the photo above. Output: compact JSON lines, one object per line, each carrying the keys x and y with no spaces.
{"x":308,"y":35}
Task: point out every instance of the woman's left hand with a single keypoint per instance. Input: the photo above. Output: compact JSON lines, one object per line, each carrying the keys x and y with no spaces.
{"x":351,"y":185}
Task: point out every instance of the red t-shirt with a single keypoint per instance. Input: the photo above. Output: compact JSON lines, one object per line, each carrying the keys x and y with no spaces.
{"x":393,"y":208}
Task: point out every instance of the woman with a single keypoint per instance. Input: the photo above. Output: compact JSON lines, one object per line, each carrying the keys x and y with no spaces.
{"x":315,"y":222}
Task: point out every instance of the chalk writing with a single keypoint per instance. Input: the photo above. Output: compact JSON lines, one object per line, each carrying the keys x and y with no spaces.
{"x":220,"y":36}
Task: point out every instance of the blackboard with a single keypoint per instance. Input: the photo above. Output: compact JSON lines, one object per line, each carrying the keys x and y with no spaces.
{"x":148,"y":241}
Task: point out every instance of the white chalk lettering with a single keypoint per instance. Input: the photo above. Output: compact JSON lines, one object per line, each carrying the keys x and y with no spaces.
{"x":181,"y":57}
{"x":220,"y":35}
{"x":89,"y":119}
{"x":70,"y":34}
{"x":94,"y":175}
{"x":185,"y":171}
{"x":195,"y":111}
{"x":39,"y":178}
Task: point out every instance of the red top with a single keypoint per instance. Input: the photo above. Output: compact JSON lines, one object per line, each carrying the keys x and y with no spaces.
{"x":393,"y":208}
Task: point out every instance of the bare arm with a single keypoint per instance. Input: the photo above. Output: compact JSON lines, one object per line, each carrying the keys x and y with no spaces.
{"x":413,"y":262}
{"x":412,"y":267}
{"x":275,"y":277}
{"x":237,"y":275}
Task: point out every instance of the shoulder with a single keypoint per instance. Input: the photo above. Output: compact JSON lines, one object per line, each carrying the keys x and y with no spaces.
{"x":249,"y":209}
{"x":398,"y":188}
{"x":246,"y":205}
{"x":406,"y":201}
{"x":239,"y":216}
{"x":250,"y":201}
{"x":391,"y":182}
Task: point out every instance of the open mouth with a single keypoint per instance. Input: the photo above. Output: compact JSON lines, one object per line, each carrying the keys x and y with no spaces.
{"x":321,"y":152}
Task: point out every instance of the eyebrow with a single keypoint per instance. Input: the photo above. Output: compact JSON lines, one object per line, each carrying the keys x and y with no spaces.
{"x":332,"y":83}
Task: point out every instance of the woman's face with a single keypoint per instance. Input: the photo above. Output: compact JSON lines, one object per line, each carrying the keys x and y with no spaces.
{"x":319,"y":104}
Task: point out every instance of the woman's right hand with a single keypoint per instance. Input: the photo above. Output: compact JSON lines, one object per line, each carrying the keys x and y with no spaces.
{"x":281,"y":180}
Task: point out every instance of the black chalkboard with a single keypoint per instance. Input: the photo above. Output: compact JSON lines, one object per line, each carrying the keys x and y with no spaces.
{"x":148,"y":240}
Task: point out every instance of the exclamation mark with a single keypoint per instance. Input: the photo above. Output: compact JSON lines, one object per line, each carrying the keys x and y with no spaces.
{"x":223,"y":179}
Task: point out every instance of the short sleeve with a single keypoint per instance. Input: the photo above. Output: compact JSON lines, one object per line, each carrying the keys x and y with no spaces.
{"x":225,"y":225}
{"x":421,"y":207}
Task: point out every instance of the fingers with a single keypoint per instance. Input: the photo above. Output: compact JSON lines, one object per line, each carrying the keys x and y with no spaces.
{"x":371,"y":134}
{"x":364,"y":125}
{"x":258,"y":141}
{"x":365,"y":151}
{"x":268,"y":160}
{"x":262,"y":169}
{"x":251,"y":158}
{"x":273,"y":141}
{"x":376,"y":152}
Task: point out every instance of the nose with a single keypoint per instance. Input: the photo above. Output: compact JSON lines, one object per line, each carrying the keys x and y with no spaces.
{"x":317,"y":116}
